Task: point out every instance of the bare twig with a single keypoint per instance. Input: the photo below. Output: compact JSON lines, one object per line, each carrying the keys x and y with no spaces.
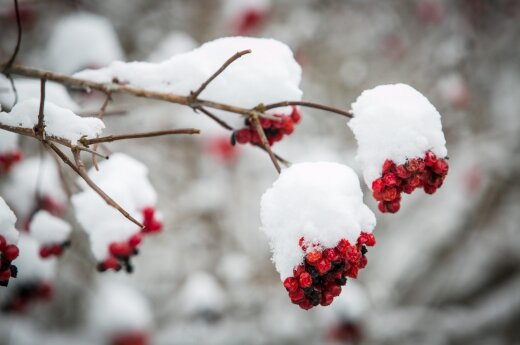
{"x":215,"y":118}
{"x":265,"y":143}
{"x":346,"y":113}
{"x":39,"y":129}
{"x":228,"y":62}
{"x":278,"y":157}
{"x":110,"y":138}
{"x":101,"y":114}
{"x":82,"y":172}
{"x":18,"y":39}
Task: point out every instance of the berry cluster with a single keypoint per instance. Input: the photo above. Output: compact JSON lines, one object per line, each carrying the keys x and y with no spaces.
{"x":324,"y":271}
{"x":27,"y":293}
{"x":55,"y":249}
{"x":8,"y":159}
{"x":427,"y":173}
{"x":8,"y":252}
{"x":274,"y":130}
{"x":120,"y":254}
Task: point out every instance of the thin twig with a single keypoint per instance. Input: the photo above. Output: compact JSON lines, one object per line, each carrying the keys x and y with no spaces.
{"x":278,"y":157}
{"x":82,"y":172}
{"x":18,"y":38}
{"x":101,"y":114}
{"x":228,"y":62}
{"x":265,"y":143}
{"x":110,"y":138}
{"x":40,"y":126}
{"x":346,"y":113}
{"x":215,"y":118}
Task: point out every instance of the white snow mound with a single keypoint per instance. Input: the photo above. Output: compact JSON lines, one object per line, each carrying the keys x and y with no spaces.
{"x":269,"y":74}
{"x":59,"y":122}
{"x":48,"y":229}
{"x":321,"y":202}
{"x":7,"y":221}
{"x":394,"y":122}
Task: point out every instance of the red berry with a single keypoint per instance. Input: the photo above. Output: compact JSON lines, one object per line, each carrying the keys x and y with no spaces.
{"x":56,"y":250}
{"x":367,"y":238}
{"x":326,"y":299}
{"x":120,"y":249}
{"x":378,"y":185}
{"x":323,"y":266}
{"x":11,"y":252}
{"x":393,"y":206}
{"x":352,"y":272}
{"x":331,"y":254}
{"x":45,"y":252}
{"x":295,"y":115}
{"x":390,"y":194}
{"x":429,"y":189}
{"x":381,"y":207}
{"x":415,"y":181}
{"x":135,"y":240}
{"x":291,"y":284}
{"x":305,"y":280}
{"x":334,"y":289}
{"x":388,"y":166}
{"x":299,"y":270}
{"x":390,"y":179}
{"x":401,"y":172}
{"x":297,"y":295}
{"x":343,"y":246}
{"x":3,"y":243}
{"x":412,"y":165}
{"x":111,"y":263}
{"x":301,"y":243}
{"x":5,"y":275}
{"x":288,"y":127}
{"x":363,"y":262}
{"x":430,"y":158}
{"x":441,"y":167}
{"x":243,"y":136}
{"x":306,"y":305}
{"x":313,"y":257}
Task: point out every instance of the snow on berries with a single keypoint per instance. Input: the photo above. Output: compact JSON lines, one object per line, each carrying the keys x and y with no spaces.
{"x":401,"y":146}
{"x":8,"y":244}
{"x":35,"y":278}
{"x":50,"y":232}
{"x":114,"y":239}
{"x":271,"y":68}
{"x":318,"y":228}
{"x":274,"y":130}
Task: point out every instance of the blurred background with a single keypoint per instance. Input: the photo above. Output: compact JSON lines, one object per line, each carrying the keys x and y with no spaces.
{"x":446,"y":267}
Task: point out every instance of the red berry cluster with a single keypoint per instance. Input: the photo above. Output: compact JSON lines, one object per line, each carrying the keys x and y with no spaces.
{"x":427,"y":173}
{"x":8,"y":252}
{"x":55,"y":249}
{"x":8,"y":159}
{"x":120,"y":254}
{"x":274,"y":130}
{"x":324,"y":271}
{"x":27,"y":293}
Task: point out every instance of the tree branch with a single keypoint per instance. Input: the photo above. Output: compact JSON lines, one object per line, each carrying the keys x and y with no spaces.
{"x":265,"y":143}
{"x":341,"y":112}
{"x":228,"y":62}
{"x":110,"y":138}
{"x":39,"y":129}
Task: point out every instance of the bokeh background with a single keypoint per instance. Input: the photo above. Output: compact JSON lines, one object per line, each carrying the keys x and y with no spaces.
{"x":446,"y":268}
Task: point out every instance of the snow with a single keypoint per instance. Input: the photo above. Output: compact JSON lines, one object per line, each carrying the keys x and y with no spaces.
{"x":80,"y":41}
{"x":31,"y":266}
{"x":59,"y":122}
{"x":394,"y":122}
{"x":321,"y":202}
{"x":174,"y":43}
{"x":30,"y":88}
{"x":271,"y":68}
{"x":116,"y":308}
{"x":125,"y":180}
{"x":30,"y":178}
{"x":201,"y":294}
{"x":7,"y":221}
{"x":8,"y":141}
{"x":47,"y":229}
